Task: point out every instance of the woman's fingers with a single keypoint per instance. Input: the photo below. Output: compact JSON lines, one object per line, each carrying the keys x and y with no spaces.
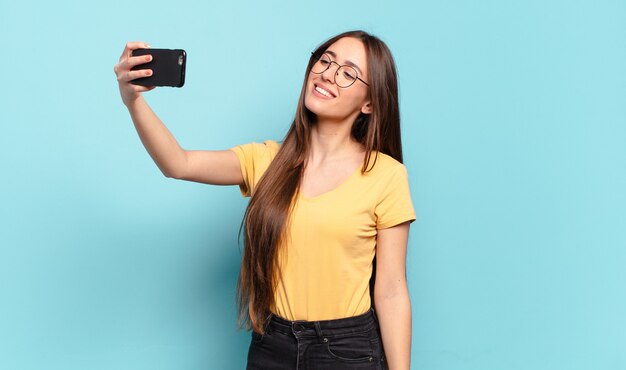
{"x":139,"y":88}
{"x":128,"y":64}
{"x":125,"y":74}
{"x":131,"y":75}
{"x":130,"y":46}
{"x":135,"y":61}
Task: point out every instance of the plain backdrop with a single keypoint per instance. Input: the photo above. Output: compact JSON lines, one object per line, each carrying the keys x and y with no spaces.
{"x":514,"y":134}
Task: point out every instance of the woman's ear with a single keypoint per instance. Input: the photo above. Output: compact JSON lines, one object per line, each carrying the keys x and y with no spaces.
{"x":367,"y":108}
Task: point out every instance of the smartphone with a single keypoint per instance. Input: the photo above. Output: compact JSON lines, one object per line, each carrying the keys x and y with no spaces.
{"x":167,"y":65}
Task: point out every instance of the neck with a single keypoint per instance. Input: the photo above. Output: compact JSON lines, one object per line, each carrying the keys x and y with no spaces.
{"x":332,"y":140}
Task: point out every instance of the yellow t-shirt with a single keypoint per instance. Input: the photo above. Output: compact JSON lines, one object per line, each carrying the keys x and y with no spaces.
{"x":326,"y":262}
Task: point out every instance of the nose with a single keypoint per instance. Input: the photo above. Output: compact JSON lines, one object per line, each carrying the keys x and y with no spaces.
{"x":330,"y":73}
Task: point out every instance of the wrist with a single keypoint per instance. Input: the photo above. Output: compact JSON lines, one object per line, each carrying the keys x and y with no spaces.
{"x":132,"y":103}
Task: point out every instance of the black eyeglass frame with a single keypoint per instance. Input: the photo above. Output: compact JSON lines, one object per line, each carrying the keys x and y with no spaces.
{"x":336,"y":73}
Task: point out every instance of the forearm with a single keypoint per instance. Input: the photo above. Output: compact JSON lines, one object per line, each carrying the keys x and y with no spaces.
{"x":394,"y":315}
{"x":157,"y":139}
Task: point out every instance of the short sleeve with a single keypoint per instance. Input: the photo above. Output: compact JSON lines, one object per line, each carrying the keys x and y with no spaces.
{"x":254,"y":159}
{"x":395,"y":206}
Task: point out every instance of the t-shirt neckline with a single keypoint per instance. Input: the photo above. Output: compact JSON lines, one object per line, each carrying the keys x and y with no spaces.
{"x":333,"y":190}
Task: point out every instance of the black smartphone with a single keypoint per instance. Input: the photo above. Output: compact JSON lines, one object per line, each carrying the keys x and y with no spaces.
{"x":167,"y":65}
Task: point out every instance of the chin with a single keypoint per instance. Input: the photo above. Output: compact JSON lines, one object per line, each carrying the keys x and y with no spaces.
{"x":311,"y":104}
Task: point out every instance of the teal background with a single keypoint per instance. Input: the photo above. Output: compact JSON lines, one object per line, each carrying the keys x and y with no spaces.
{"x":514,"y":129}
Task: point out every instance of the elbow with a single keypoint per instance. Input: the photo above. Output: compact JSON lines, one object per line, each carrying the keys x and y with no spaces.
{"x":393,"y":304}
{"x":171,"y":173}
{"x":177,"y":169}
{"x":391,"y":292}
{"x":173,"y":170}
{"x":172,"y":166}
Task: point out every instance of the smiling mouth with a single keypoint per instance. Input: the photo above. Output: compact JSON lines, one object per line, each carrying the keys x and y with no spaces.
{"x":326,"y":93}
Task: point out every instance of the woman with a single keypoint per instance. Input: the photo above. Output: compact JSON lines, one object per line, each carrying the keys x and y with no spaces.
{"x":325,"y":204}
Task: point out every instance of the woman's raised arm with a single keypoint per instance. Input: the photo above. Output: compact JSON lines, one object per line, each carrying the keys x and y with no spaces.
{"x":219,"y":167}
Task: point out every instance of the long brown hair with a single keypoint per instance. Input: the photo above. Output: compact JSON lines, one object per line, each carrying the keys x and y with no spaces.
{"x":266,"y":217}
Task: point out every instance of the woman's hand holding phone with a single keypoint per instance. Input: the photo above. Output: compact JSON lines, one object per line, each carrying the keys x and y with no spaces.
{"x":129,"y":91}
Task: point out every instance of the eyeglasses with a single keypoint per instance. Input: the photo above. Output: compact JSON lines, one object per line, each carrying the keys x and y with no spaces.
{"x":345,"y":75}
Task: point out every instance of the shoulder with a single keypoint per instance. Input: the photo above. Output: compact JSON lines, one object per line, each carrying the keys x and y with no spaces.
{"x":385,"y":175}
{"x":267,"y":145}
{"x":383,"y":165}
{"x":254,"y":159}
{"x":266,"y":149}
{"x":272,"y":146}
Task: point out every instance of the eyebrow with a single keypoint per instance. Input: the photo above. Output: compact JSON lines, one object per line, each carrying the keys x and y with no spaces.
{"x":334,"y":55}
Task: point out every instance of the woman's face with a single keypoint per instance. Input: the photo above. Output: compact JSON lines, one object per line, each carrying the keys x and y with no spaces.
{"x":329,"y":101}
